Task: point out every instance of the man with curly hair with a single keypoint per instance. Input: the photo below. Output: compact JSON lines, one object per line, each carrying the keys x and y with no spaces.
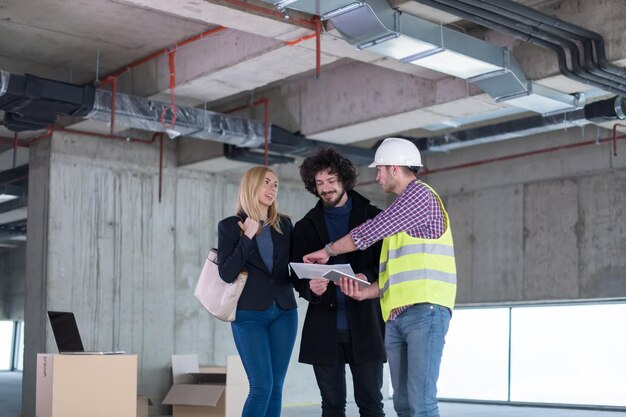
{"x":339,"y":330}
{"x":417,"y":277}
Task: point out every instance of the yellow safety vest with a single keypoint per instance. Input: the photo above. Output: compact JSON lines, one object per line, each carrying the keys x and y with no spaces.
{"x":416,"y":270}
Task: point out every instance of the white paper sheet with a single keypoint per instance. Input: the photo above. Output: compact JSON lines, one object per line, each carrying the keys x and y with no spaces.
{"x":307,"y":271}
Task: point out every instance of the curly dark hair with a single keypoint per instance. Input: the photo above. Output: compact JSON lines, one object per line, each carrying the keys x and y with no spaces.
{"x":328,"y":158}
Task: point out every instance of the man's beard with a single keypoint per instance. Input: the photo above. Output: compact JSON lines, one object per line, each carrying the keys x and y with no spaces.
{"x":334,"y":201}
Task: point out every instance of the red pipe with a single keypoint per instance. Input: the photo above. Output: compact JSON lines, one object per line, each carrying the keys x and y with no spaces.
{"x":297,"y":41}
{"x":615,"y":137}
{"x":112,"y":78}
{"x":11,"y":141}
{"x":524,"y":154}
{"x":318,"y":46}
{"x":514,"y":156}
{"x":200,"y":36}
{"x":113,"y":102}
{"x":163,"y":51}
{"x":172,"y":106}
{"x":160,"y":164}
{"x":46,"y":135}
{"x":266,"y":128}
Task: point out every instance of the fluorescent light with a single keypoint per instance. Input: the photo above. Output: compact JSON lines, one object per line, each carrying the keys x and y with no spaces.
{"x":6,"y":197}
{"x":399,"y":47}
{"x":544,"y":100}
{"x":458,"y":65}
{"x":540,"y":104}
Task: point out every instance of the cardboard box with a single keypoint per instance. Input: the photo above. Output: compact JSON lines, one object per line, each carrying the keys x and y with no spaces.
{"x":222,"y":394}
{"x":143,"y":402}
{"x":86,"y":385}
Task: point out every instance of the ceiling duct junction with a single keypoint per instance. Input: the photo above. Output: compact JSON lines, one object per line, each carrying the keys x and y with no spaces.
{"x":375,"y":26}
{"x":539,"y":29}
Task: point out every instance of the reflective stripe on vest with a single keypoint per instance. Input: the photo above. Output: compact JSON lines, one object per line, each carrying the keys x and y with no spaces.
{"x":417,"y":270}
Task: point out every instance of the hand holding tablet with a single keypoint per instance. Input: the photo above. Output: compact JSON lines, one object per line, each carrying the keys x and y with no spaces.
{"x":334,"y":275}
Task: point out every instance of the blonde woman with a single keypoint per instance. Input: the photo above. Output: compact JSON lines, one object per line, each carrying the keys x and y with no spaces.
{"x":258,"y":239}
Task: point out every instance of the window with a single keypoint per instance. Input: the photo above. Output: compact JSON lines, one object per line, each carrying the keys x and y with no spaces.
{"x":11,"y":345}
{"x":18,"y":355}
{"x":6,"y":345}
{"x":569,"y":354}
{"x":560,"y":354}
{"x":476,"y":355}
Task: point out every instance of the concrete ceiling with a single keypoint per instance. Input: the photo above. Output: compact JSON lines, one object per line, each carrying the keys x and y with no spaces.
{"x":359,"y":98}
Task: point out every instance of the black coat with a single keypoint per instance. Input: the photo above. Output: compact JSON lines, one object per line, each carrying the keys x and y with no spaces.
{"x":319,"y":334}
{"x":236,"y":251}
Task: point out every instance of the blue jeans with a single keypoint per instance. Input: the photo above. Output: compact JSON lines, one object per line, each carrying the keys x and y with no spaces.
{"x":264,"y":340}
{"x":414,"y":343}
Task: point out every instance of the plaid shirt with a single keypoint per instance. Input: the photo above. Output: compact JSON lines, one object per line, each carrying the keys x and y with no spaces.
{"x":415,"y":211}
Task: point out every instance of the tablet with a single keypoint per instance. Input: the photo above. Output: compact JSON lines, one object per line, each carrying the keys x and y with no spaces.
{"x":334,"y":275}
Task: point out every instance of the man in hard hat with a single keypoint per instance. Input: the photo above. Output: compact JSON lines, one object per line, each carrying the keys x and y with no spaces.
{"x":339,"y":330}
{"x":417,"y":279}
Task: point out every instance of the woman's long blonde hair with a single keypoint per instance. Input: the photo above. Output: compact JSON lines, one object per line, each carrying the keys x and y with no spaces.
{"x":248,"y":198}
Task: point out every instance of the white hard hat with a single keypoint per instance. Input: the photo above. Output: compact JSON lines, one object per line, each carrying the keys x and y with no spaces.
{"x":396,"y":151}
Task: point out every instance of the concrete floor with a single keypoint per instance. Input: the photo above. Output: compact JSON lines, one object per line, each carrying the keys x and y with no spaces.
{"x":466,"y":410}
{"x":10,"y":394}
{"x":11,"y":390}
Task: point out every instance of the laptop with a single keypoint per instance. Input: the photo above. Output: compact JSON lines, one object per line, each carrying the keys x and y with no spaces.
{"x":67,"y":336}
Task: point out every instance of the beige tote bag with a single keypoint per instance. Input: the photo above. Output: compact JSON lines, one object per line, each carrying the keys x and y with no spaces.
{"x":219,"y":297}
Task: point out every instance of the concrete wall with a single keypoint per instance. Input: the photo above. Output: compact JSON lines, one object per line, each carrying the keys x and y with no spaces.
{"x":546,"y":227}
{"x":12,"y":283}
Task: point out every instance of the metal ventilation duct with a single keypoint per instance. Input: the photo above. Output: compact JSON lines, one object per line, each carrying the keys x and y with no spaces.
{"x":375,"y":26}
{"x":32,"y":103}
{"x":597,"y":112}
{"x":323,"y":8}
{"x":145,"y":114}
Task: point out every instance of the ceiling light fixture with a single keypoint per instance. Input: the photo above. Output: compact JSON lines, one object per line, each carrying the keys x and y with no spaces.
{"x":457,"y":54}
{"x":6,"y":197}
{"x":544,"y":100}
{"x":457,"y":65}
{"x":400,"y":47}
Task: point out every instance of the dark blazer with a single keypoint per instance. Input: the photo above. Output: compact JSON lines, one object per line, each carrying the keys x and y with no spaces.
{"x":236,"y":251}
{"x":319,"y":334}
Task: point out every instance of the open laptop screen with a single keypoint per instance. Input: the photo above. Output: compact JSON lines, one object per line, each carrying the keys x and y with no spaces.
{"x":65,"y":331}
